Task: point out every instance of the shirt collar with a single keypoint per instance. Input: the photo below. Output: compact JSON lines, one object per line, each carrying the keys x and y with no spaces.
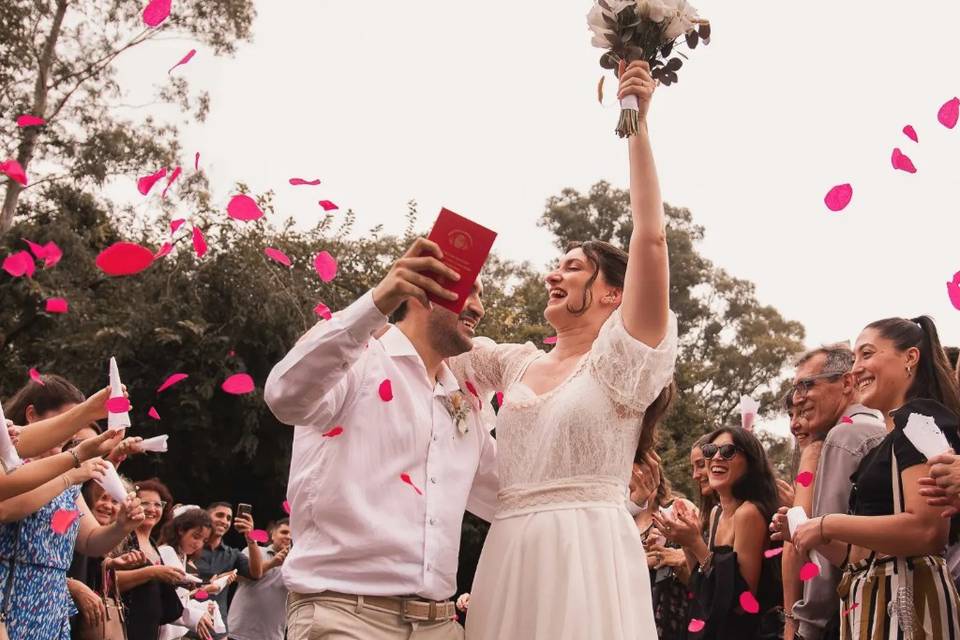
{"x":859,"y":409}
{"x":396,"y":344}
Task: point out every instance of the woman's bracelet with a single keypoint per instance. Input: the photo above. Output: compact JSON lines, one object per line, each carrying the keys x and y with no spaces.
{"x":822,"y":537}
{"x":76,"y":459}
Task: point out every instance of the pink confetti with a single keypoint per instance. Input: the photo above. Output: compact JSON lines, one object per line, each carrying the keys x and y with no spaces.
{"x":63,"y":519}
{"x":164,"y":250}
{"x":13,"y":170}
{"x":323,"y":311}
{"x":772,"y":553}
{"x":809,"y":571}
{"x":300,"y":181}
{"x":949,"y":113}
{"x":184,"y":60}
{"x":550,"y":340}
{"x":20,"y":264}
{"x":196,"y":161}
{"x":846,"y":420}
{"x":124,"y":259}
{"x":27,"y":120}
{"x":35,"y":376}
{"x":50,"y":253}
{"x":176,"y":224}
{"x":238,"y":384}
{"x":386,"y":390}
{"x":57,"y":305}
{"x":953,"y":290}
{"x":153,"y":413}
{"x":911,"y":133}
{"x":156,"y":12}
{"x":472,"y":389}
{"x":839,"y":197}
{"x":172,"y":380}
{"x":804,"y":479}
{"x":243,"y":208}
{"x":327,"y":205}
{"x":118,"y":405}
{"x":145,"y":184}
{"x":499,"y":398}
{"x":278,"y":256}
{"x":749,"y":603}
{"x":852,"y":607}
{"x":406,"y":478}
{"x":170,"y":180}
{"x":199,"y":242}
{"x":902,"y":162}
{"x":259,"y":535}
{"x":696,"y":625}
{"x":201,"y":595}
{"x":286,"y":507}
{"x":333,"y":433}
{"x":326,"y":266}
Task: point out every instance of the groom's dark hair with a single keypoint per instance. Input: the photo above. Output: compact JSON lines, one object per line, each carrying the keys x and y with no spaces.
{"x":399,"y":314}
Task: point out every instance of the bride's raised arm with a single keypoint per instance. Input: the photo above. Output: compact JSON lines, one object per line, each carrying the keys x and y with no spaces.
{"x":645,"y":306}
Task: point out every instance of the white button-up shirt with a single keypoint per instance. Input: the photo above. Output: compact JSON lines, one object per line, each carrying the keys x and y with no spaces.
{"x":358,"y":528}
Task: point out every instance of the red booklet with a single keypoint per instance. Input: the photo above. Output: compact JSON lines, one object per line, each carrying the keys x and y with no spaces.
{"x":465,"y":246}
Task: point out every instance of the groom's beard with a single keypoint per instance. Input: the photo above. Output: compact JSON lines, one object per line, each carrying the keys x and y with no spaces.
{"x":447,"y":335}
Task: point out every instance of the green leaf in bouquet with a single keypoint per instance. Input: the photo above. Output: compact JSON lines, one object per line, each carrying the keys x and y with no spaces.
{"x":609,"y":60}
{"x":603,"y":5}
{"x":634,"y":53}
{"x":670,"y":77}
{"x":674,"y":64}
{"x":704,"y":31}
{"x":693,"y":39}
{"x":666,"y":50}
{"x":627,"y":35}
{"x":657,"y":62}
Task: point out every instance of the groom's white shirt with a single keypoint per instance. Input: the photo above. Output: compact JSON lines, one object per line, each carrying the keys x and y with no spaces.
{"x":357,"y":527}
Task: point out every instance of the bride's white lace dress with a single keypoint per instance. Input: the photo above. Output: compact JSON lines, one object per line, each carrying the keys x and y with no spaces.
{"x":563,"y":558}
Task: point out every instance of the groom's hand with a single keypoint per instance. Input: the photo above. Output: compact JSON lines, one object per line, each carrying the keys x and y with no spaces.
{"x":409,"y":278}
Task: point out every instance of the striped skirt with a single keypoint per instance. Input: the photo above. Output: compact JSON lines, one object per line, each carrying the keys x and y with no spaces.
{"x":868,"y":588}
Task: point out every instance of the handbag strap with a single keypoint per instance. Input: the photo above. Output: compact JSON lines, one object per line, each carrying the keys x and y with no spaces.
{"x":8,"y":587}
{"x":905,"y":577}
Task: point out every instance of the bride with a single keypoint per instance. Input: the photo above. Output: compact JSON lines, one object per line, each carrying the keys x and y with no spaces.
{"x":563,"y":558}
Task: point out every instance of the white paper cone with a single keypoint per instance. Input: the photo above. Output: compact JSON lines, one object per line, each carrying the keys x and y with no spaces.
{"x":748,"y":412}
{"x":630,"y":102}
{"x":156,"y":444}
{"x":8,"y":453}
{"x":169,"y":557}
{"x":116,"y":421}
{"x":218,"y":626}
{"x":795,"y":517}
{"x":112,"y":485}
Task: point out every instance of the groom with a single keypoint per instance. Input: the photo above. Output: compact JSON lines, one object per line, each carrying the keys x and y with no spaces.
{"x":388,"y":452}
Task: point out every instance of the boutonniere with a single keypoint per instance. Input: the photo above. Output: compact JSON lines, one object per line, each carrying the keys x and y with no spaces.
{"x":459,"y":408}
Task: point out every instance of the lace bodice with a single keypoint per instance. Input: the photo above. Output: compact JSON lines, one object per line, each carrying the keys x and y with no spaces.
{"x":589,"y":425}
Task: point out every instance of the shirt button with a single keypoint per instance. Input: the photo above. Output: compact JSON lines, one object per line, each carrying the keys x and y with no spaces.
{"x":434,"y":437}
{"x":433,"y":480}
{"x":432,"y":521}
{"x":429,"y":567}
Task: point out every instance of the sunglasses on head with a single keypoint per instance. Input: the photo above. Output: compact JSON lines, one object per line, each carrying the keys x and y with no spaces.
{"x":727,"y":451}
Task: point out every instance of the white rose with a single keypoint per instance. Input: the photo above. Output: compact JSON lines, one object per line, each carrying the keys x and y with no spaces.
{"x":681,"y":19}
{"x":656,"y":10}
{"x":598,"y":27}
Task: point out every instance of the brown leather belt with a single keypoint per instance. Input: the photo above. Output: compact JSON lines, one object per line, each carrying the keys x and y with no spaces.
{"x":411,"y":609}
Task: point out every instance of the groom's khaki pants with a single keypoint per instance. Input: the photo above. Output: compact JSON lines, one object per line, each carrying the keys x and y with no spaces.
{"x":326,"y":618}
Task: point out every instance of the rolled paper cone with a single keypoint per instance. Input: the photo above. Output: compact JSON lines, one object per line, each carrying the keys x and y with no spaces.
{"x":795,"y":517}
{"x":218,"y":626}
{"x":748,"y":412}
{"x":746,"y":420}
{"x":169,"y":557}
{"x":8,"y":453}
{"x":156,"y":444}
{"x":112,"y":485}
{"x":116,"y":421}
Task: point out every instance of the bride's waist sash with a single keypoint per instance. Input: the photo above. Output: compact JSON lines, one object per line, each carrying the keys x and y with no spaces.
{"x":568,"y":493}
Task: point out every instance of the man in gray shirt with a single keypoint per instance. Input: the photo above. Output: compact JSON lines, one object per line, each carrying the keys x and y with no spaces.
{"x":824,"y":394}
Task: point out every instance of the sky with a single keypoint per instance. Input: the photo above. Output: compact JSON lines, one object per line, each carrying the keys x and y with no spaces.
{"x":490,"y":108}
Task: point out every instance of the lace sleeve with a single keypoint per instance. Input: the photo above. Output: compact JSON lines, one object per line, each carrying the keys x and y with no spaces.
{"x":489,"y":366}
{"x":630,"y":372}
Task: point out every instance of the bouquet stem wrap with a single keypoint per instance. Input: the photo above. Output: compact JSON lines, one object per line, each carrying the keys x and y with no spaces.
{"x":629,"y":124}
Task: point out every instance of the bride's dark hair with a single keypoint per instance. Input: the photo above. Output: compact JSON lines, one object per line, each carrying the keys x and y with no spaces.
{"x":652,"y":418}
{"x":607,"y":259}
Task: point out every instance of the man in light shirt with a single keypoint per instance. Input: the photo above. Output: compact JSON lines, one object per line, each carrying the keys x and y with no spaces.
{"x":389,"y":449}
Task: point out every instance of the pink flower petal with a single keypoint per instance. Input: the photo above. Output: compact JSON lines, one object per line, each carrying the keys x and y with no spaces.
{"x":146,"y":183}
{"x":386,"y":391}
{"x":326,"y":266}
{"x":153,"y":413}
{"x":27,"y":120}
{"x":164,"y":250}
{"x":953,"y":290}
{"x":911,"y":133}
{"x":63,"y":519}
{"x":184,"y":60}
{"x":300,"y":181}
{"x":19,"y":264}
{"x":124,"y":259}
{"x":35,"y":376}
{"x":172,"y":380}
{"x":196,"y":161}
{"x":13,"y":170}
{"x":323,"y":311}
{"x":846,"y":420}
{"x":499,"y":398}
{"x":118,"y":405}
{"x":51,"y":255}
{"x":170,"y":180}
{"x":238,"y":384}
{"x":804,"y":479}
{"x":333,"y":433}
{"x":243,"y":208}
{"x":550,"y":340}
{"x":327,"y":205}
{"x":57,"y":305}
{"x":902,"y":162}
{"x":199,"y":242}
{"x":696,"y":625}
{"x":949,"y":113}
{"x":472,"y":389}
{"x":749,"y":603}
{"x":406,"y":478}
{"x":286,"y":507}
{"x":201,"y":595}
{"x":278,"y":256}
{"x":176,"y":224}
{"x":772,"y":553}
{"x":852,"y":607}
{"x":839,"y":197}
{"x":259,"y":535}
{"x":156,"y":12}
{"x":809,"y":571}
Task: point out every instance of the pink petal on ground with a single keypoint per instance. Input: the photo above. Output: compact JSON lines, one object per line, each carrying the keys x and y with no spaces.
{"x":386,"y":390}
{"x":846,"y":420}
{"x":163,"y":250}
{"x":911,"y":133}
{"x":327,"y":205}
{"x":156,"y":12}
{"x":184,"y":60}
{"x":323,"y":311}
{"x":259,"y":535}
{"x":406,"y":478}
{"x":300,"y":181}
{"x":173,"y":176}
{"x":771,"y":553}
{"x":804,"y":479}
{"x":286,"y":507}
{"x":238,"y":384}
{"x":124,"y":259}
{"x":57,"y":305}
{"x":550,"y":340}
{"x":153,"y":413}
{"x":19,"y":264}
{"x":199,"y":242}
{"x":949,"y":113}
{"x":749,"y":603}
{"x":809,"y":571}
{"x":35,"y":376}
{"x":27,"y":120}
{"x":326,"y":266}
{"x":63,"y":519}
{"x":196,"y":161}
{"x":696,"y":625}
{"x":200,"y":595}
{"x":13,"y":170}
{"x":118,"y":405}
{"x":953,"y":290}
{"x":243,"y":208}
{"x":852,"y":607}
{"x":278,"y":256}
{"x":172,"y":380}
{"x":902,"y":162}
{"x":839,"y":197}
{"x":176,"y":224}
{"x":333,"y":433}
{"x":146,"y":183}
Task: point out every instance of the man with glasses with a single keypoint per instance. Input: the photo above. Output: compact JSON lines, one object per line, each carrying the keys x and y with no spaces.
{"x":824,"y":397}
